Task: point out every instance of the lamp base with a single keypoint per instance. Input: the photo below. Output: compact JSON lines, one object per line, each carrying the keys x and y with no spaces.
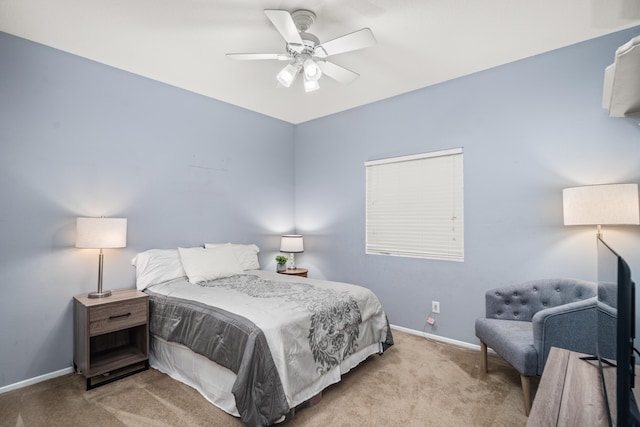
{"x":292,"y":264}
{"x":102,"y":294}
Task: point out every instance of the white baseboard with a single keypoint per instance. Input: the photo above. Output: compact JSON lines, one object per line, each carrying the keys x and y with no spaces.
{"x":36,"y":380}
{"x":437,"y":337}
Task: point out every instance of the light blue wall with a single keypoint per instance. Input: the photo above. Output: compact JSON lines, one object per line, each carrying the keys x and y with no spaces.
{"x":529,"y":129}
{"x":79,"y":138}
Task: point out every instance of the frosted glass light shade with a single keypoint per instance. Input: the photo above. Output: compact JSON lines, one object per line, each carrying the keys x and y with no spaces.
{"x":288,"y":74}
{"x":292,"y":243}
{"x":612,"y":204}
{"x":311,"y":70}
{"x":101,"y":233}
{"x":310,"y":85}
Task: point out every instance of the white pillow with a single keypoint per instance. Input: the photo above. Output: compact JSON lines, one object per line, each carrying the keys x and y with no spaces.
{"x":156,"y":266}
{"x":247,"y":254}
{"x":203,"y":264}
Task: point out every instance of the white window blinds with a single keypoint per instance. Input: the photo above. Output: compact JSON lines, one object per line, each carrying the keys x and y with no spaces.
{"x":415,"y":206}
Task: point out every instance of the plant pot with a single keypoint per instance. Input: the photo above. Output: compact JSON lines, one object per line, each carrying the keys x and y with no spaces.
{"x":281,"y":267}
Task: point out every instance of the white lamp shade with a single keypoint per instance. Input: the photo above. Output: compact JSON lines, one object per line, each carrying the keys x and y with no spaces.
{"x":292,"y":243}
{"x":288,"y":74}
{"x":101,"y":233}
{"x":612,"y":204}
{"x":311,"y":70}
{"x":310,"y":85}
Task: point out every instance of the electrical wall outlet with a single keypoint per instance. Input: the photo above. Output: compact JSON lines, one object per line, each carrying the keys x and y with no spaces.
{"x":435,"y":306}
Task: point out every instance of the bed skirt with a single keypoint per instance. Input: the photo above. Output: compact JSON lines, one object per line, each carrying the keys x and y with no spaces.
{"x":214,"y":382}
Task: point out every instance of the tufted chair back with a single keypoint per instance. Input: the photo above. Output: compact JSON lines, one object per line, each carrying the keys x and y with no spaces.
{"x":524,"y":300}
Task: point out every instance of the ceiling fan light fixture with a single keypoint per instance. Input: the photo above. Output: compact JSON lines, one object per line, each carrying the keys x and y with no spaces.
{"x":311,"y":70}
{"x":288,"y":74}
{"x":310,"y":85}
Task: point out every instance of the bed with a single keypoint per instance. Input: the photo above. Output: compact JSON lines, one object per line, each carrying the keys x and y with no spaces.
{"x":255,"y":343}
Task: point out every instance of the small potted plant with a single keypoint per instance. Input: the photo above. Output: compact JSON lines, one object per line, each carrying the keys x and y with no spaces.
{"x":282,"y":262}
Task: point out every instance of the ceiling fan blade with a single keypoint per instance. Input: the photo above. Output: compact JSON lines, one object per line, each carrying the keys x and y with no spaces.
{"x":337,"y":73}
{"x":282,"y":20}
{"x":356,"y":40}
{"x":254,"y":56}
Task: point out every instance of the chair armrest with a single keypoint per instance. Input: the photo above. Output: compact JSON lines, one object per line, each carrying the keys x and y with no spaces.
{"x":571,"y":326}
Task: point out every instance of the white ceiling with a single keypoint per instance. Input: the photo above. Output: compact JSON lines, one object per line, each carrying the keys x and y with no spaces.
{"x":420,"y":42}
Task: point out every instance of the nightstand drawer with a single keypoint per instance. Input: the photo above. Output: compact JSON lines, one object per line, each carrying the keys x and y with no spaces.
{"x":112,"y":317}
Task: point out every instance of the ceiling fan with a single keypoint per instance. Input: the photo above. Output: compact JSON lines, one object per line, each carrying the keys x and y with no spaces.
{"x":305,"y":53}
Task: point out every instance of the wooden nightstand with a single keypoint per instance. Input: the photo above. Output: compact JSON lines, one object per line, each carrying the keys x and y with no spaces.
{"x":302,"y":272}
{"x":111,"y":336}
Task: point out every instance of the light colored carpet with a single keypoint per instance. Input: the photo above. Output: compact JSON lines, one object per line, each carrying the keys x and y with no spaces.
{"x":417,"y":382}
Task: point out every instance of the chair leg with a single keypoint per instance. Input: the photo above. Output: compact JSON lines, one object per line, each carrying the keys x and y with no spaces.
{"x":483,"y":357}
{"x":526,"y":391}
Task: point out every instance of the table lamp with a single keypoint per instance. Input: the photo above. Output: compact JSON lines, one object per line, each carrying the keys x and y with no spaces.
{"x":292,"y":243}
{"x":101,"y":233}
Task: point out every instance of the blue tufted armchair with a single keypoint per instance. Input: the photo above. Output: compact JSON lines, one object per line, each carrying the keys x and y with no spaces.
{"x":524,"y":321}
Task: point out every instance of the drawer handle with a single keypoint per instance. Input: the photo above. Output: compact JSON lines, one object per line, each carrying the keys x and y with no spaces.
{"x":119,"y":316}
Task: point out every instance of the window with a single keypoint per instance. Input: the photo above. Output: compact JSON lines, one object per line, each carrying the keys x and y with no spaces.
{"x":415,"y":206}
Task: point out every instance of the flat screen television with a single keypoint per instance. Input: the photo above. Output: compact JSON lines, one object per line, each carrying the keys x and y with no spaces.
{"x":616,"y":311}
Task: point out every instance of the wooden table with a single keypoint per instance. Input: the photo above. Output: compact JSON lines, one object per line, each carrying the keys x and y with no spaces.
{"x":570,"y":392}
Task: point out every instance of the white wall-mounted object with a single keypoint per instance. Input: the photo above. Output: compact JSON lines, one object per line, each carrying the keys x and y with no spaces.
{"x":621,"y":94}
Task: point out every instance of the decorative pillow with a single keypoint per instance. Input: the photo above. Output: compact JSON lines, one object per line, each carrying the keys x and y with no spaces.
{"x":203,"y":264}
{"x":156,"y":266}
{"x":247,"y":254}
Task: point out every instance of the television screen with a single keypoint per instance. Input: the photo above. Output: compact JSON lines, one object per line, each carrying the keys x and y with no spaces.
{"x":616,"y":332}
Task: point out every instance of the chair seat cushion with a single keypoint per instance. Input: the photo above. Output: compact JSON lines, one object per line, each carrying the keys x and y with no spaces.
{"x":511,"y":339}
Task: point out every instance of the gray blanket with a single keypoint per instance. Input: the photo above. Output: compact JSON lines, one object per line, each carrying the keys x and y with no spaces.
{"x":231,"y":341}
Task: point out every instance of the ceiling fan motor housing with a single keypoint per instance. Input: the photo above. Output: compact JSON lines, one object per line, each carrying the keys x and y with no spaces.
{"x":310,"y":42}
{"x":303,"y":19}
